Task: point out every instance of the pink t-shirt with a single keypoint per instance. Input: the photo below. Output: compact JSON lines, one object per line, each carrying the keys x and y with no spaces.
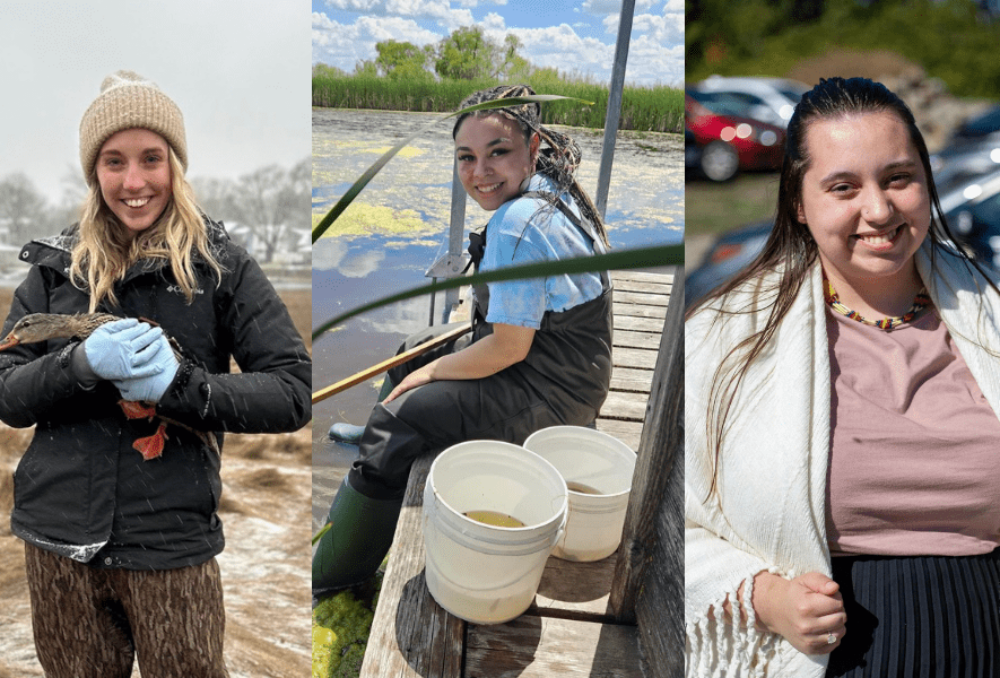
{"x":915,"y":447}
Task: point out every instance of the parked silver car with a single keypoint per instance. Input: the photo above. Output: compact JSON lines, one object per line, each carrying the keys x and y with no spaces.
{"x":770,"y":100}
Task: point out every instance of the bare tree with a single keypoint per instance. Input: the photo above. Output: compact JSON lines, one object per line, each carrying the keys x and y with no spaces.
{"x":271,"y":202}
{"x":214,"y":196}
{"x":23,"y":211}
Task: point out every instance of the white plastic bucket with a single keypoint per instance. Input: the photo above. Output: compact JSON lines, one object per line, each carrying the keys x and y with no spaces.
{"x":483,"y":573}
{"x":599,"y":461}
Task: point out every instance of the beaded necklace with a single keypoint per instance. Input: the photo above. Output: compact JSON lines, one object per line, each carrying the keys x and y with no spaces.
{"x":921,"y":302}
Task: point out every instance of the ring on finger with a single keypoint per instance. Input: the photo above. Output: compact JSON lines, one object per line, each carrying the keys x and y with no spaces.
{"x":831,"y":639}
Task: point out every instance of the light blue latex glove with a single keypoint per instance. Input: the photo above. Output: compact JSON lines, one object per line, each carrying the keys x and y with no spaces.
{"x":113,"y":350}
{"x":150,"y":388}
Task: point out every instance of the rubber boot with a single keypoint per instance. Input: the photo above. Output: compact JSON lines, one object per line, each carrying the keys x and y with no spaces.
{"x":350,"y":434}
{"x":360,"y":535}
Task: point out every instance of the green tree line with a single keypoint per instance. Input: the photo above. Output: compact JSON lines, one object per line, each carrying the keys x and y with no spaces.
{"x":436,"y":78}
{"x":954,"y":40}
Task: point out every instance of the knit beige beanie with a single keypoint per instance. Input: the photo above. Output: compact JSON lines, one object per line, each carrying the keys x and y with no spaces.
{"x":128,"y":100}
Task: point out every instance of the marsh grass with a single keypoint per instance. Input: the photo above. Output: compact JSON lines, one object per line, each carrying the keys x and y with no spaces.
{"x":653,"y":109}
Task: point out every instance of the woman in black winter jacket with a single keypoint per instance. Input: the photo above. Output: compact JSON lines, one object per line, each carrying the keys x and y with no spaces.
{"x":119,"y":549}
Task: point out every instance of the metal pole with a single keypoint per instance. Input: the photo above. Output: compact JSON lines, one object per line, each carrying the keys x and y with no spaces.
{"x":614,"y":104}
{"x":456,"y":236}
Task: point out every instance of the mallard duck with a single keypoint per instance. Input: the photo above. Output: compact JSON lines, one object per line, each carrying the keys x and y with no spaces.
{"x":37,"y":327}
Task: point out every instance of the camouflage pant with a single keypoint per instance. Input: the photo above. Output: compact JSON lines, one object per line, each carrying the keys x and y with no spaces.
{"x":91,"y":623}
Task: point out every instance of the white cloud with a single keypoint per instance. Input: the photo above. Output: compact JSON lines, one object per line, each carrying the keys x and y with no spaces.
{"x":655,"y":61}
{"x":560,"y":47}
{"x":493,"y":22}
{"x":354,"y":5}
{"x":667,"y":29}
{"x":439,"y":11}
{"x":343,"y":45}
{"x":615,"y":6}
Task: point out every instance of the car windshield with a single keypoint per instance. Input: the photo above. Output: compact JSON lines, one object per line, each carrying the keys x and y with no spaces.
{"x":793,"y":93}
{"x":723,"y":103}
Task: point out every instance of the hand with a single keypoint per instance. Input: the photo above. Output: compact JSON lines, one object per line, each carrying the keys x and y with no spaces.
{"x":805,"y":610}
{"x":418,"y":377}
{"x":113,"y":350}
{"x":161,"y":363}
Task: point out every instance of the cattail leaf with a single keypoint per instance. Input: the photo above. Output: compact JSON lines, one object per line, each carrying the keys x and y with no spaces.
{"x":645,"y":257}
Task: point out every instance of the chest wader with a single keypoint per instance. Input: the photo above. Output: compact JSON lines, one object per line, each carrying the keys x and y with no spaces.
{"x":563,"y":380}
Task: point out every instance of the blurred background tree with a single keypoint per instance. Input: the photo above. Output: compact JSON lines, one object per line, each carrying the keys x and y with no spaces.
{"x":403,"y":60}
{"x":468,"y":54}
{"x":952,"y":40}
{"x":23,"y":212}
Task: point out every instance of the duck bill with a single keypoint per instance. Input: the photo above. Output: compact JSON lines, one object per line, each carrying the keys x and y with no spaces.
{"x":9,"y":341}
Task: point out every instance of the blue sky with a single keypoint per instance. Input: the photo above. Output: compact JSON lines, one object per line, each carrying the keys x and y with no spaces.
{"x":574,"y":35}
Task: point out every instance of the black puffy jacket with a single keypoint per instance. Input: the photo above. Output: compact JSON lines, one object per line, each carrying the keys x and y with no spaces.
{"x":80,"y":489}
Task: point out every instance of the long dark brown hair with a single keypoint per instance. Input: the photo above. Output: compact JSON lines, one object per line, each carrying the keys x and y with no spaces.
{"x":791,"y":250}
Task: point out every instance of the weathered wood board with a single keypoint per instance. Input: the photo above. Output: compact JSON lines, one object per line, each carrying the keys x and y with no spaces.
{"x":543,"y":647}
{"x":412,"y":636}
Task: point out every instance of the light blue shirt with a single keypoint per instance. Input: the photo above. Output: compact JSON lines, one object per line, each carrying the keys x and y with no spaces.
{"x":530,"y":230}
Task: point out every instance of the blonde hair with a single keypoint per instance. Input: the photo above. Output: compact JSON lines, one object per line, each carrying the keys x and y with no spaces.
{"x":106,"y":249}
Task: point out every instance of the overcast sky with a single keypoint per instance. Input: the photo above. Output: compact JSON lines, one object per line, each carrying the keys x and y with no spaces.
{"x":239,"y":71}
{"x":571,"y":35}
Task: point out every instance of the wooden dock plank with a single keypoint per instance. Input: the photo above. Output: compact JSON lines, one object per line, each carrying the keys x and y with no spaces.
{"x":638,"y":324}
{"x":624,"y":291}
{"x":643,"y":298}
{"x":630,"y":379}
{"x":543,"y":647}
{"x":412,"y":636}
{"x":643,"y":359}
{"x":575,"y":590}
{"x":628,"y":432}
{"x":629,"y":339}
{"x":623,"y":406}
{"x":640,"y":311}
{"x":624,"y":277}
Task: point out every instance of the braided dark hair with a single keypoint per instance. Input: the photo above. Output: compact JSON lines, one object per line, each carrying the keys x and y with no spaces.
{"x":558,"y":159}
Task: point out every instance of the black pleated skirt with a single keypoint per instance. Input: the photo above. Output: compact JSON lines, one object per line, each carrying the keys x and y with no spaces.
{"x":926,"y":616}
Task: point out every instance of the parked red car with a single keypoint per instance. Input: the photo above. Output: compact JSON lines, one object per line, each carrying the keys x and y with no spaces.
{"x":757,"y":145}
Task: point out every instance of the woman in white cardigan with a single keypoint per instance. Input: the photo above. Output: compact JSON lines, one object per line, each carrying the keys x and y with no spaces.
{"x":842,"y":437}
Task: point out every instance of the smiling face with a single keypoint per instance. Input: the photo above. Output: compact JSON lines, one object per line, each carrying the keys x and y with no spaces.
{"x":493,"y":159}
{"x":133,"y":172}
{"x":865,"y":201}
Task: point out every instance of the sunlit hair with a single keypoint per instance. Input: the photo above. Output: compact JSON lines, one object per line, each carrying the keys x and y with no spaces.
{"x":106,"y":249}
{"x":558,"y":154}
{"x":791,"y":250}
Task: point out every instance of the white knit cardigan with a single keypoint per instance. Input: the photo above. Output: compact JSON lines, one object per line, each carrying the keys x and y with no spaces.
{"x":769,"y":510}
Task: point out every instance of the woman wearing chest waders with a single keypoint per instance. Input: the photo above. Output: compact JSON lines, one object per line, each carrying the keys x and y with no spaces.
{"x":117,"y":504}
{"x":842,"y":439}
{"x":540,"y":351}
